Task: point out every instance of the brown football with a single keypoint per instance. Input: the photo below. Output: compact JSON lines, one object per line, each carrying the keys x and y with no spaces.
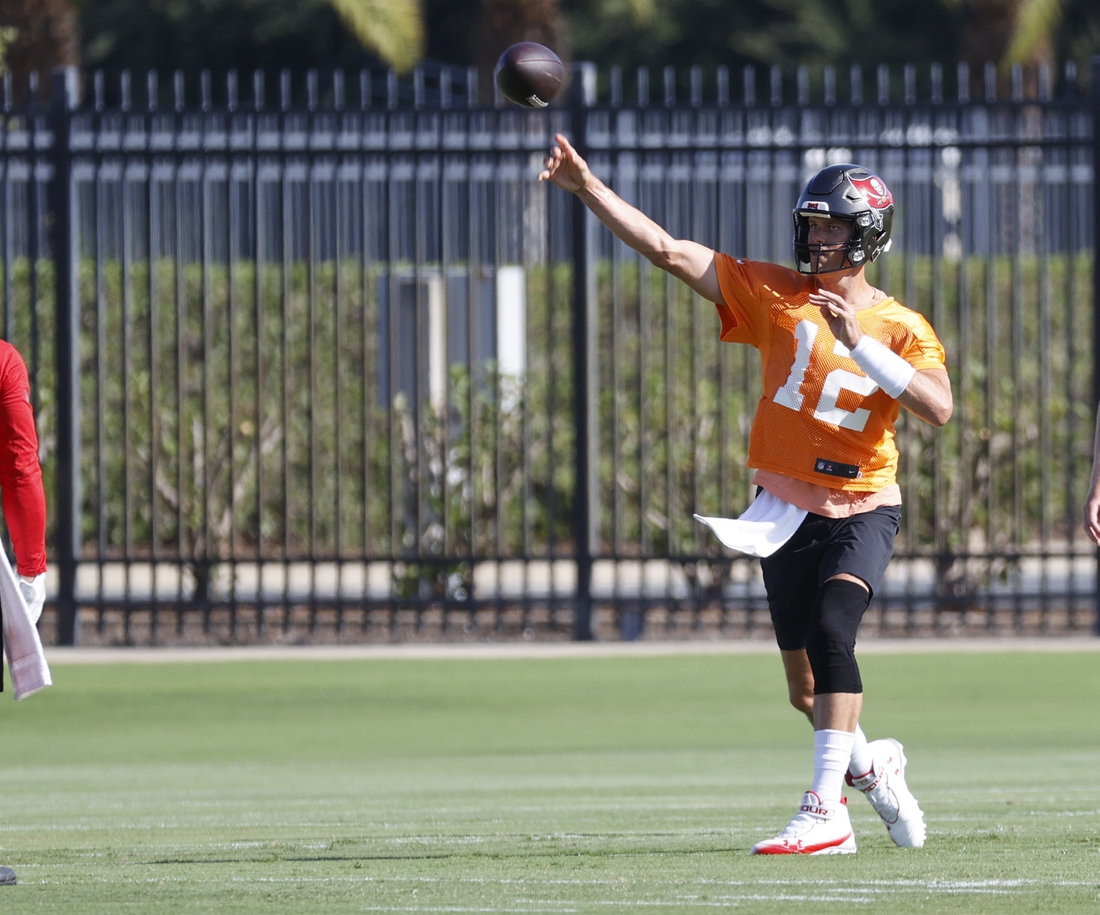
{"x":530,"y":74}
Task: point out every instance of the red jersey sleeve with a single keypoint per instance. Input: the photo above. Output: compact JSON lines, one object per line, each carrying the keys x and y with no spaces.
{"x":20,"y":473}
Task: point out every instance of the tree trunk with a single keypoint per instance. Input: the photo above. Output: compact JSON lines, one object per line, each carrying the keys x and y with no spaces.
{"x":45,"y":37}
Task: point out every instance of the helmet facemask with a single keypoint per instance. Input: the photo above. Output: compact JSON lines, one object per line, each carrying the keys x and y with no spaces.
{"x":808,"y":253}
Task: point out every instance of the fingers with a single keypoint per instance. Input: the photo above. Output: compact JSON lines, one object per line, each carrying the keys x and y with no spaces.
{"x":564,"y":166}
{"x":553,"y":161}
{"x":1092,"y":521}
{"x":830,"y":301}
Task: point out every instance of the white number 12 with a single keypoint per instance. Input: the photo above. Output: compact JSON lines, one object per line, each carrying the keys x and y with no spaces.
{"x":792,"y":397}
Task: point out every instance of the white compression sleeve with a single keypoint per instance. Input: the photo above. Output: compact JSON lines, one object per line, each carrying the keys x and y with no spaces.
{"x":883,"y":366}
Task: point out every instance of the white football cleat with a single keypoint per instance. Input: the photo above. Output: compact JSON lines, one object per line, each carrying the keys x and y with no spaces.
{"x":884,"y":786}
{"x":817,"y":829}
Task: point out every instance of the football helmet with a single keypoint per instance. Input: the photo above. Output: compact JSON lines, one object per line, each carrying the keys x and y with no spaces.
{"x":852,"y":193}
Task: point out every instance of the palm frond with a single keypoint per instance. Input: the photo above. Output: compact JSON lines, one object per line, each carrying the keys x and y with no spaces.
{"x":8,"y":35}
{"x":393,"y":29}
{"x":1036,"y":21}
{"x":643,"y":10}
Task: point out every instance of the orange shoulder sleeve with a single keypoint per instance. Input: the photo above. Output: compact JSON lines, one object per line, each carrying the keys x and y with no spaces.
{"x":741,"y":312}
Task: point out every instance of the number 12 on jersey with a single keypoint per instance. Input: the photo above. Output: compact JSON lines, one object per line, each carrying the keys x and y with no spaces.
{"x":792,"y":394}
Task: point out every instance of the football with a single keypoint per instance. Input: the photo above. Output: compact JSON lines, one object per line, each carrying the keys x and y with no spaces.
{"x":530,"y":74}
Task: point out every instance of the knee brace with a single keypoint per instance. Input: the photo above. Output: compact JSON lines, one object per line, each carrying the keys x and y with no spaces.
{"x":831,"y":640}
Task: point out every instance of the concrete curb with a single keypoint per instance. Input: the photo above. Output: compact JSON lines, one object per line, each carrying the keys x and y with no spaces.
{"x":545,"y":650}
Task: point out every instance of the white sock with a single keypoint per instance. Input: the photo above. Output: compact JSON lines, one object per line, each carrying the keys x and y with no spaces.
{"x":862,"y":758}
{"x":832,"y":753}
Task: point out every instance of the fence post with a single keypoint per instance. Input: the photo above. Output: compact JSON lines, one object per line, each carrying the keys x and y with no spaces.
{"x":585,"y":370}
{"x":1094,"y":105}
{"x":64,"y":91}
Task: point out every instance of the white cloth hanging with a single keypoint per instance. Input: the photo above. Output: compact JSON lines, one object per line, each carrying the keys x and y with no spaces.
{"x":761,"y":529}
{"x":26,"y":659}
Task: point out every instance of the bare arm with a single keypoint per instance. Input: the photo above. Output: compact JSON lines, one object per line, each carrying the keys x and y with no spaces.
{"x":928,"y":396}
{"x":687,"y":261}
{"x":1092,"y":501}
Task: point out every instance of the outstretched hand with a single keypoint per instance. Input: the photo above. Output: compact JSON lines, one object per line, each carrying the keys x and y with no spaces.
{"x":565,"y":167}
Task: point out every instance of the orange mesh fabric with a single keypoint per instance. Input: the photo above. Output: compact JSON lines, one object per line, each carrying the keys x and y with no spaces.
{"x":818,"y":411}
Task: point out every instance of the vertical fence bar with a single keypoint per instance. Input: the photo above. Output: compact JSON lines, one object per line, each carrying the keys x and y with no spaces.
{"x":183,"y":540}
{"x":286,"y":257}
{"x":126,"y":290}
{"x":312,"y":190}
{"x":1094,"y":105}
{"x":7,"y":253}
{"x":206,"y":555}
{"x":67,"y":352}
{"x":152,"y":249}
{"x":585,"y":372}
{"x":258,"y":287}
{"x":233,"y":223}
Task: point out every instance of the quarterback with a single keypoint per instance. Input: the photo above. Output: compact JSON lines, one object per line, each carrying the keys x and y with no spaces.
{"x":839,"y":358}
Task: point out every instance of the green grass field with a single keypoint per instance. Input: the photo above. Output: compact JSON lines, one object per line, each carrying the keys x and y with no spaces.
{"x":546,"y":785}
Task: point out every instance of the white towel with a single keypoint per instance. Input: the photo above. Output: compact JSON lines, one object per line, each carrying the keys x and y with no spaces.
{"x":27,"y":660}
{"x":762,"y":528}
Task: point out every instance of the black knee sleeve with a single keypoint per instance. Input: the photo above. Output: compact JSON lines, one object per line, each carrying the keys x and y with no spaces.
{"x":831,"y":641}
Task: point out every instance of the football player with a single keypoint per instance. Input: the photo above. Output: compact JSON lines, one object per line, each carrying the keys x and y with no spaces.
{"x":839,"y":357}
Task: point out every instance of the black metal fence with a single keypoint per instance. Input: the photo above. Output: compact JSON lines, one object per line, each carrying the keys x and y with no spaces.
{"x":305,"y":365}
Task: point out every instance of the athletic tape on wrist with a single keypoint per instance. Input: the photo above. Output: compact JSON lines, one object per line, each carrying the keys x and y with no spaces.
{"x":883,"y":366}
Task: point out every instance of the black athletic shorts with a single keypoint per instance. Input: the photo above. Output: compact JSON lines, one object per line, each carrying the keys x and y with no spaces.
{"x":860,"y":545}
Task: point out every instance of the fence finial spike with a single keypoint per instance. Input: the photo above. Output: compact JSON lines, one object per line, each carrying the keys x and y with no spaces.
{"x":284,"y":90}
{"x":312,"y":90}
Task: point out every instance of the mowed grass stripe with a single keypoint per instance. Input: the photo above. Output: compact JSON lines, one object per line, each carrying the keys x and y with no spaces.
{"x":558,"y":784}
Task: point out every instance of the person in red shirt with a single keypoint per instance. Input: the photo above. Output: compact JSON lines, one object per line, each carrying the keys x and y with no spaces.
{"x":838,"y":358}
{"x":24,"y":500}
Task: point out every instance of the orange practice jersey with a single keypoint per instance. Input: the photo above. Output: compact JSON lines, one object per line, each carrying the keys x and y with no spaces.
{"x":820,"y":418}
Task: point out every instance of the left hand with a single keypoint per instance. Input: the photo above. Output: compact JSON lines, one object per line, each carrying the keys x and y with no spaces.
{"x":840,"y":315}
{"x":1092,"y":513}
{"x":34,"y":593}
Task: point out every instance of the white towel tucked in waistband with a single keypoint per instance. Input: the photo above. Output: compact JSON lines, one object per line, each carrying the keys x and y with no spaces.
{"x":762,"y":528}
{"x":27,"y":660}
